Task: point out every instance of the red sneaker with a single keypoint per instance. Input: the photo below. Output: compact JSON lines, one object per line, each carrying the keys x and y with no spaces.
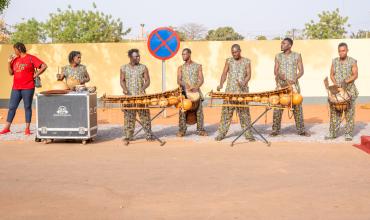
{"x":4,"y":131}
{"x":27,"y":132}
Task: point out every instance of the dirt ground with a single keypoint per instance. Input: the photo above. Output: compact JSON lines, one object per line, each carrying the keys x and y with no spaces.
{"x":184,"y":179}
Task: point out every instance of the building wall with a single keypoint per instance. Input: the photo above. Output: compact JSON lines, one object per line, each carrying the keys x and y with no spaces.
{"x":103,"y":61}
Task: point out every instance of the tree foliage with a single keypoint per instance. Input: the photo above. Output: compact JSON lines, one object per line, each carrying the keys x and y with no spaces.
{"x":224,"y":34}
{"x":29,"y":32}
{"x":330,"y":25}
{"x":84,"y":26}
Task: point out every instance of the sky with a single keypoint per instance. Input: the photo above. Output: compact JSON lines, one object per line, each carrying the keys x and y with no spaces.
{"x":249,"y":18}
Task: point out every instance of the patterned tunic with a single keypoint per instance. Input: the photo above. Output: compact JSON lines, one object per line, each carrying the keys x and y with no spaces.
{"x":288,"y":66}
{"x":343,"y":71}
{"x":190,"y":75}
{"x":79,"y":72}
{"x":134,"y":76}
{"x":237,"y":73}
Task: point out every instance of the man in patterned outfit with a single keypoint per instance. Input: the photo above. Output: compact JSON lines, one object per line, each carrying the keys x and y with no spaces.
{"x":134,"y":80}
{"x":343,"y":73}
{"x":286,"y":64}
{"x":237,"y":71}
{"x":190,"y":78}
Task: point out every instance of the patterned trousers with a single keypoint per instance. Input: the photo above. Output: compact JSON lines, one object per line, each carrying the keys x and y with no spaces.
{"x":129,"y":122}
{"x":336,"y":116}
{"x":200,"y":119}
{"x":298,"y":117}
{"x":226,"y":117}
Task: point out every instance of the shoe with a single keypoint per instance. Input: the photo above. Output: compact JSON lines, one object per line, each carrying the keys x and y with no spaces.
{"x":126,"y":141}
{"x":329,"y":137}
{"x":274,"y":134}
{"x":27,"y":132}
{"x":180,"y":134}
{"x":202,"y":133}
{"x":348,"y":138}
{"x":4,"y":131}
{"x":219,"y":138}
{"x":150,"y":139}
{"x":305,"y":134}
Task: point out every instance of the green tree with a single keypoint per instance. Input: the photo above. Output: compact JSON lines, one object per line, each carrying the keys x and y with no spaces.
{"x":28,"y":32}
{"x":224,"y":34}
{"x":261,"y":37}
{"x":84,"y":26}
{"x":330,"y":25}
{"x":3,"y":5}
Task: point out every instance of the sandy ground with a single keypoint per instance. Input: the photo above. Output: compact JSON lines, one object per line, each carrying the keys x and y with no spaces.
{"x":188,"y":178}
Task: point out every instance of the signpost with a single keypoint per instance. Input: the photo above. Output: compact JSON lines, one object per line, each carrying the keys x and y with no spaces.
{"x":163,"y":44}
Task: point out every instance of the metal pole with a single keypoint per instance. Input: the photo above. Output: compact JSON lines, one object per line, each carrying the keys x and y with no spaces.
{"x":164,"y":83}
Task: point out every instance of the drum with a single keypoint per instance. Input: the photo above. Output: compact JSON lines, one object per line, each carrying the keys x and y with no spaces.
{"x":191,"y":115}
{"x":339,"y":97}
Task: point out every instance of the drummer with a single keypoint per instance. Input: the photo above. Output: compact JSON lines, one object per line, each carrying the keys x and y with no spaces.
{"x":75,"y":69}
{"x":237,"y":71}
{"x":343,"y":73}
{"x":190,"y":78}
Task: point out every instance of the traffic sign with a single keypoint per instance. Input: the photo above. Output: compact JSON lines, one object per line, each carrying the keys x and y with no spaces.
{"x":163,"y":43}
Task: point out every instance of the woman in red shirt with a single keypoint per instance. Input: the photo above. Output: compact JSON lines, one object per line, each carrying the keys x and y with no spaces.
{"x":22,"y":67}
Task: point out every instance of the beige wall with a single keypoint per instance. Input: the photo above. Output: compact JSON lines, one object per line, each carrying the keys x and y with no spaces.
{"x":103,"y":61}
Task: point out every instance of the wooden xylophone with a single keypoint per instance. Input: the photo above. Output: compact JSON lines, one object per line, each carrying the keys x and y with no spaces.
{"x":283,"y":98}
{"x":146,"y":101}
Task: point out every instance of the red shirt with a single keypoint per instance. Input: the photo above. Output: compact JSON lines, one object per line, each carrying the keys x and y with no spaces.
{"x":24,"y":69}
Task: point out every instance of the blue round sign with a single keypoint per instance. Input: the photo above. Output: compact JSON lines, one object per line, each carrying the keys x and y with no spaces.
{"x":163,"y":43}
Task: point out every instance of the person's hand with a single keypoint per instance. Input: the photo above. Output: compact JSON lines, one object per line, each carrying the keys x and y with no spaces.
{"x":343,"y":84}
{"x":282,"y":76}
{"x":219,"y":87}
{"x":241,"y":84}
{"x":125,"y":91}
{"x":11,"y":58}
{"x":59,"y":77}
{"x":194,"y":89}
{"x":36,"y":74}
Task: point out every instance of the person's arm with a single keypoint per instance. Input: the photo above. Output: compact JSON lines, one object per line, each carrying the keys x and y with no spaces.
{"x":123,"y":82}
{"x":42,"y":69}
{"x":354,"y":75}
{"x":86,"y":76}
{"x":223,"y":76}
{"x":277,"y":70}
{"x":300,"y":69}
{"x":200,"y":79}
{"x":62,"y":75}
{"x":332,"y":77}
{"x":179,"y":77}
{"x":10,"y":65}
{"x":146,"y":80}
{"x":248,"y":71}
